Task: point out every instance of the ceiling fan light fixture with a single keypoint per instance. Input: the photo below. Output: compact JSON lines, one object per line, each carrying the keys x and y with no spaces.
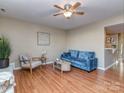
{"x":68,"y":10}
{"x":68,"y":14}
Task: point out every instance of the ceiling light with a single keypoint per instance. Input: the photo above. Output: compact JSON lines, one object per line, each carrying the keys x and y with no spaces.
{"x":67,"y":14}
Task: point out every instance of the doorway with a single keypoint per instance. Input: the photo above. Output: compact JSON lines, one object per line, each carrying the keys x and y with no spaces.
{"x":114,"y":45}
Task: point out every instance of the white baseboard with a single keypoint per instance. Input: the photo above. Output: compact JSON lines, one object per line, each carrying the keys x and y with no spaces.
{"x":104,"y":69}
{"x":110,"y":66}
{"x":18,"y":68}
{"x":101,"y":68}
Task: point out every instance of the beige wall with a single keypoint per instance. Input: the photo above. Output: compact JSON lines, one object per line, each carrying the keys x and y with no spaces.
{"x":91,"y":37}
{"x":23,"y":38}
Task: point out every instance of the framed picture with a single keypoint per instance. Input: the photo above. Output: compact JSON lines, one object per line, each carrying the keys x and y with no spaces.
{"x":43,"y":38}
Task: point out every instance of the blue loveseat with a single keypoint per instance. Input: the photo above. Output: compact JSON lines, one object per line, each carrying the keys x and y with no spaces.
{"x":81,"y":59}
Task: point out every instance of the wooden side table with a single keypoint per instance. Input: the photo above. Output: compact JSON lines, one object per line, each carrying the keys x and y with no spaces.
{"x":43,"y":59}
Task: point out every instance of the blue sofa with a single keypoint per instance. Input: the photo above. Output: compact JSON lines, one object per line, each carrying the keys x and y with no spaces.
{"x":84,"y":60}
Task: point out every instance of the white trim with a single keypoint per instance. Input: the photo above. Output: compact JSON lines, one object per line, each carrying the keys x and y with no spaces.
{"x":110,"y":66}
{"x":101,"y":68}
{"x":104,"y":69}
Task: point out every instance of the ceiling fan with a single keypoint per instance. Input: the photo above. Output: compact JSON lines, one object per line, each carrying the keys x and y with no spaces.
{"x":68,"y":10}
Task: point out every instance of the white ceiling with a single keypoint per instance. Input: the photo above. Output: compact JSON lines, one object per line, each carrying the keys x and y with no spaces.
{"x":40,"y":11}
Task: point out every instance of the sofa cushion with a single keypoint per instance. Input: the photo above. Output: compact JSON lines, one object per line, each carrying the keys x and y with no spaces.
{"x":79,"y":64}
{"x":76,"y":62}
{"x":74,"y":53}
{"x":81,"y":60}
{"x":91,"y":54}
{"x":86,"y":55}
{"x":24,"y":59}
{"x":82,"y":55}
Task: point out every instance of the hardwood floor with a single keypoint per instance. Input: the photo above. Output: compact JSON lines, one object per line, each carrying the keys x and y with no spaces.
{"x":47,"y":80}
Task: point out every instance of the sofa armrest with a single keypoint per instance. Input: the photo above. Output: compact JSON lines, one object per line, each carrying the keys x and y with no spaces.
{"x":66,"y":54}
{"x":92,"y":63}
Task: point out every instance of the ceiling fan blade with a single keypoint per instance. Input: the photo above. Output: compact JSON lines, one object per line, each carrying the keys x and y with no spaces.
{"x":59,"y":7}
{"x":79,"y":13}
{"x":58,"y":14}
{"x":76,"y":5}
{"x":65,"y":1}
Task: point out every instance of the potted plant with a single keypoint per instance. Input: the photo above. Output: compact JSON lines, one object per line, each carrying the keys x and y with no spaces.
{"x":5,"y":51}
